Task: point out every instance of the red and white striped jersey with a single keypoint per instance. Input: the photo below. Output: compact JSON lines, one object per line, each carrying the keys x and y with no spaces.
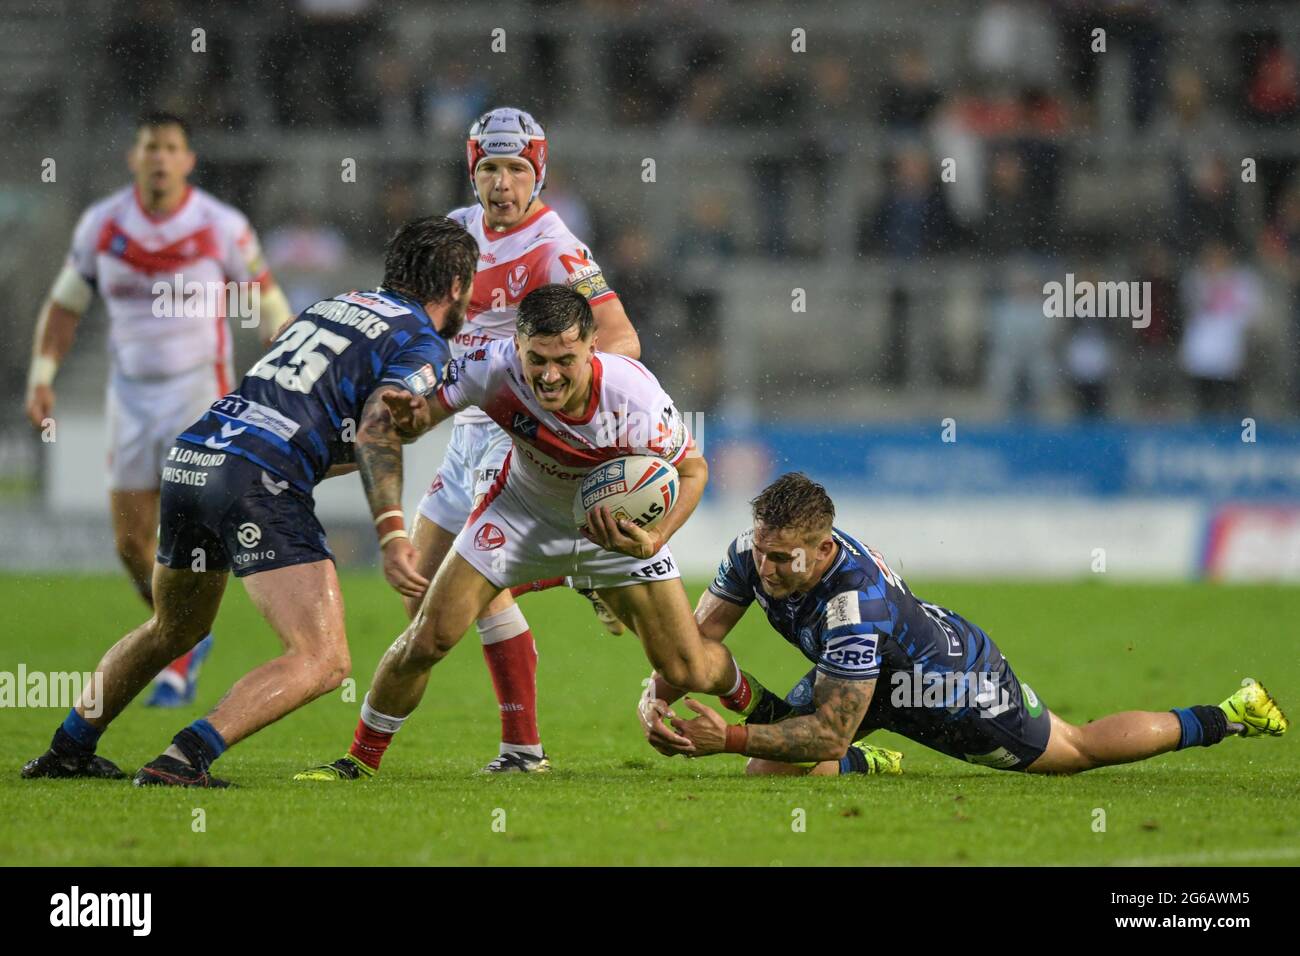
{"x":125,"y":254}
{"x":535,"y":252}
{"x":629,"y":414}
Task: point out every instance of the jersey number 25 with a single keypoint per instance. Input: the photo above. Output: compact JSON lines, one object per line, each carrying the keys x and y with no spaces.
{"x":299,"y":371}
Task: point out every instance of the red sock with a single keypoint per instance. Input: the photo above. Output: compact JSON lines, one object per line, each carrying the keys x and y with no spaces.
{"x":513,"y":665}
{"x":542,"y":585}
{"x":368,"y":745}
{"x":739,"y":700}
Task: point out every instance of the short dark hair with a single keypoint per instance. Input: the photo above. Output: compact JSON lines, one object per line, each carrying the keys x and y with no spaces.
{"x":424,"y":256}
{"x":553,"y":310}
{"x":153,"y":119}
{"x":794,"y":501}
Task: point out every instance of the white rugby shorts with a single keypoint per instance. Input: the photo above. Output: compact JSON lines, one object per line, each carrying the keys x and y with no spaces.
{"x":472,"y":462}
{"x":144,"y":418}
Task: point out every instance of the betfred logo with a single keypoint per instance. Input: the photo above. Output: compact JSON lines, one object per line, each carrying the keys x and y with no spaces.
{"x":489,"y":538}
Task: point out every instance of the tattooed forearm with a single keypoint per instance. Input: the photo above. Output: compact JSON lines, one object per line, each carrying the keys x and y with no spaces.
{"x":822,"y":735}
{"x":379,"y":456}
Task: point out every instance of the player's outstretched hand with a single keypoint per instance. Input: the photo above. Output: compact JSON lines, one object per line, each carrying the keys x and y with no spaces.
{"x":651,"y":711}
{"x":620,"y":534}
{"x":40,"y":405}
{"x":707,"y":732}
{"x":400,"y":559}
{"x":410,"y":413}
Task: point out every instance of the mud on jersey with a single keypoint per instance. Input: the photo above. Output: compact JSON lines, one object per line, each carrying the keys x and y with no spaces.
{"x":297,"y":410}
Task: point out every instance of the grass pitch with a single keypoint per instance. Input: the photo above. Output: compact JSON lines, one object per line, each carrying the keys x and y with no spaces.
{"x":1087,"y":648}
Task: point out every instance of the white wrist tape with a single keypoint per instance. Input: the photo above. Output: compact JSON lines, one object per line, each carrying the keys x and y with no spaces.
{"x":42,"y":371}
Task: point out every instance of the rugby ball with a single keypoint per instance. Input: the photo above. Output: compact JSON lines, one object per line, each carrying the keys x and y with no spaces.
{"x":640,"y":488}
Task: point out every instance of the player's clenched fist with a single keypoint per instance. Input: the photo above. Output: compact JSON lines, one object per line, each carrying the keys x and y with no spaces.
{"x":621,"y":535}
{"x":40,"y":405}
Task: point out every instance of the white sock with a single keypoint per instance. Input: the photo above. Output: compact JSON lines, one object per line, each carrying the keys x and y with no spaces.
{"x":381,"y":723}
{"x":534,"y":750}
{"x":502,"y":626}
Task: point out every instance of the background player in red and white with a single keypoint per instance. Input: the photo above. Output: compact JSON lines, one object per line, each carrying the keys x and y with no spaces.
{"x":523,"y":244}
{"x":166,"y":368}
{"x":567,"y":408}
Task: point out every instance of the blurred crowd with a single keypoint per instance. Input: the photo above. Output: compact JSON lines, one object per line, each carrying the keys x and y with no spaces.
{"x":1031,"y":121}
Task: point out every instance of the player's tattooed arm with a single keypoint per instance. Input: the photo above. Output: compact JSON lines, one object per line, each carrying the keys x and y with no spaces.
{"x":824,"y":734}
{"x":379,"y":459}
{"x":379,"y":453}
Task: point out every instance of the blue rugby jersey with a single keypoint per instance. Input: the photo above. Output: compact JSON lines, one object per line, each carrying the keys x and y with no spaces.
{"x":859,"y":618}
{"x":297,"y":410}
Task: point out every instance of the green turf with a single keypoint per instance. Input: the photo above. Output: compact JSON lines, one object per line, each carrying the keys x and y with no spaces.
{"x":1087,"y":648}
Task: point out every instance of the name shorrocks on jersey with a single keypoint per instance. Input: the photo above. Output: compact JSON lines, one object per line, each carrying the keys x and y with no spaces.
{"x":297,"y":410}
{"x":940,"y":679}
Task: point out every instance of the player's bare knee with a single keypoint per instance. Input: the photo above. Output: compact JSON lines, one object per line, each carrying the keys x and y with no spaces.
{"x":679,"y":672}
{"x":134,"y":552}
{"x":757,"y":767}
{"x":425,"y":642}
{"x":332,"y":669}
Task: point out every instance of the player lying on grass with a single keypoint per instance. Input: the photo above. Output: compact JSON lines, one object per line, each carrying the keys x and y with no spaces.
{"x":888,"y":661}
{"x":567,"y":408}
{"x":237,"y":495}
{"x":523,"y":244}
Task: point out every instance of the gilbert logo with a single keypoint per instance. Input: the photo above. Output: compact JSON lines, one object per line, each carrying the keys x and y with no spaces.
{"x":103,"y":909}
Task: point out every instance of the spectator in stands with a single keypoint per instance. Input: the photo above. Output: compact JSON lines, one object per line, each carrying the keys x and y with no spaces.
{"x":1273,"y":89}
{"x":1014,"y":218}
{"x":1089,"y":363}
{"x":1206,"y":206}
{"x":912,"y":217}
{"x":701,"y":251}
{"x":1021,"y":367}
{"x":910,"y":96}
{"x":1156,"y":344}
{"x":1016,"y":40}
{"x":1222,"y":299}
{"x":1280,"y":250}
{"x":1134,"y":26}
{"x":769,"y":94}
{"x":315,"y":65}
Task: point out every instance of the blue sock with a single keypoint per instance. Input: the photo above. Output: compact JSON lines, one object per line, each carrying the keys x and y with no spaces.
{"x":1202,"y":725}
{"x":78,"y":732}
{"x":855,"y":761}
{"x":201,"y":744}
{"x":1192,"y":733}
